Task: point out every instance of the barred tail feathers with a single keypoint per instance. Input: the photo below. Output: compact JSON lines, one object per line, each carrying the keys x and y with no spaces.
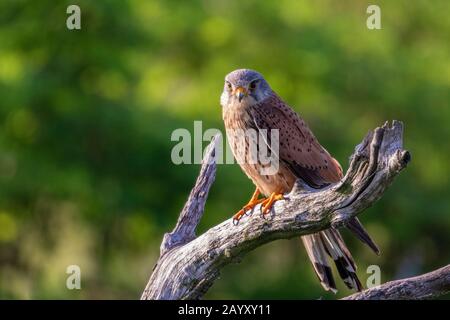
{"x":330,"y":243}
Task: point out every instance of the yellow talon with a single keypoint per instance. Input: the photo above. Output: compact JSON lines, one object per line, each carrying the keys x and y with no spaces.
{"x":250,"y":205}
{"x":269,"y":202}
{"x":266,"y":204}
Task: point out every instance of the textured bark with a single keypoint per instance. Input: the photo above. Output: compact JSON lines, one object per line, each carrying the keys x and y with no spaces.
{"x":189,"y":218}
{"x":189,"y":265}
{"x":426,"y":286}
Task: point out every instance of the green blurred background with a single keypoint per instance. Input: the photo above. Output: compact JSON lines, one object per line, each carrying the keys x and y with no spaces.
{"x":86,"y":117}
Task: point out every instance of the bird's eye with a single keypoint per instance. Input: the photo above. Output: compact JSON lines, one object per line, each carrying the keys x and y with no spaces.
{"x":252,"y":85}
{"x":229,"y":86}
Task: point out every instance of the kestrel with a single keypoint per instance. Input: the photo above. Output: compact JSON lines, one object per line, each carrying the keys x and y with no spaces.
{"x":248,"y":103}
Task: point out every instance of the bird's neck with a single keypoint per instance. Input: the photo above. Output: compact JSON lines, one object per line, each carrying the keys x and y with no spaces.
{"x":236,"y":115}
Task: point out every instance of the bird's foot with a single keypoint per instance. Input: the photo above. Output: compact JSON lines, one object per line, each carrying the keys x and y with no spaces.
{"x":268,"y":203}
{"x":249,"y":206}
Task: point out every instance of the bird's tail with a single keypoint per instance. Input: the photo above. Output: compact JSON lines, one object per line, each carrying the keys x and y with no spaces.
{"x":330,"y":243}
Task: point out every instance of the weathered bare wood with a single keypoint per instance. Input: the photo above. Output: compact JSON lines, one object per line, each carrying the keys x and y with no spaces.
{"x":426,"y":286}
{"x":192,"y":212}
{"x":189,"y":265}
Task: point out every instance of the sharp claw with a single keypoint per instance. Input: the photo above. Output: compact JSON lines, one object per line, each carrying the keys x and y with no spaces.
{"x":266,"y":206}
{"x":268,"y":203}
{"x":247,"y":209}
{"x":238,"y":215}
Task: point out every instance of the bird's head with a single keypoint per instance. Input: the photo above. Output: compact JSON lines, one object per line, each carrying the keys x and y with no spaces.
{"x":244,"y":87}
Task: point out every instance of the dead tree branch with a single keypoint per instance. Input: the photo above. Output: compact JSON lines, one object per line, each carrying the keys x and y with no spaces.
{"x":189,"y":265}
{"x":426,"y":286}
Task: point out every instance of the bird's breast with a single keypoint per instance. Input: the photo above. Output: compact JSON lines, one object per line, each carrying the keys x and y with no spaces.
{"x":238,"y":123}
{"x":243,"y":139}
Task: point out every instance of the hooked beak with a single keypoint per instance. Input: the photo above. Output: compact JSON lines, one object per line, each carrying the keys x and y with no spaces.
{"x":240,"y":93}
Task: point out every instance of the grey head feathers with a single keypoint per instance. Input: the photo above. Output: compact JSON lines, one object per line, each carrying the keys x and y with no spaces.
{"x":244,"y":87}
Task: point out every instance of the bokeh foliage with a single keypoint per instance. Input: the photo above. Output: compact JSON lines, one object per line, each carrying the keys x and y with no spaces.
{"x":86,"y":118}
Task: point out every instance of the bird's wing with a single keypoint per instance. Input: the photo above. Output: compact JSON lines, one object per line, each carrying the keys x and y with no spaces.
{"x":298,"y":148}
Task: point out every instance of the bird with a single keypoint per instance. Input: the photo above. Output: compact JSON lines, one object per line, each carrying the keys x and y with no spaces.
{"x":250,"y":105}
